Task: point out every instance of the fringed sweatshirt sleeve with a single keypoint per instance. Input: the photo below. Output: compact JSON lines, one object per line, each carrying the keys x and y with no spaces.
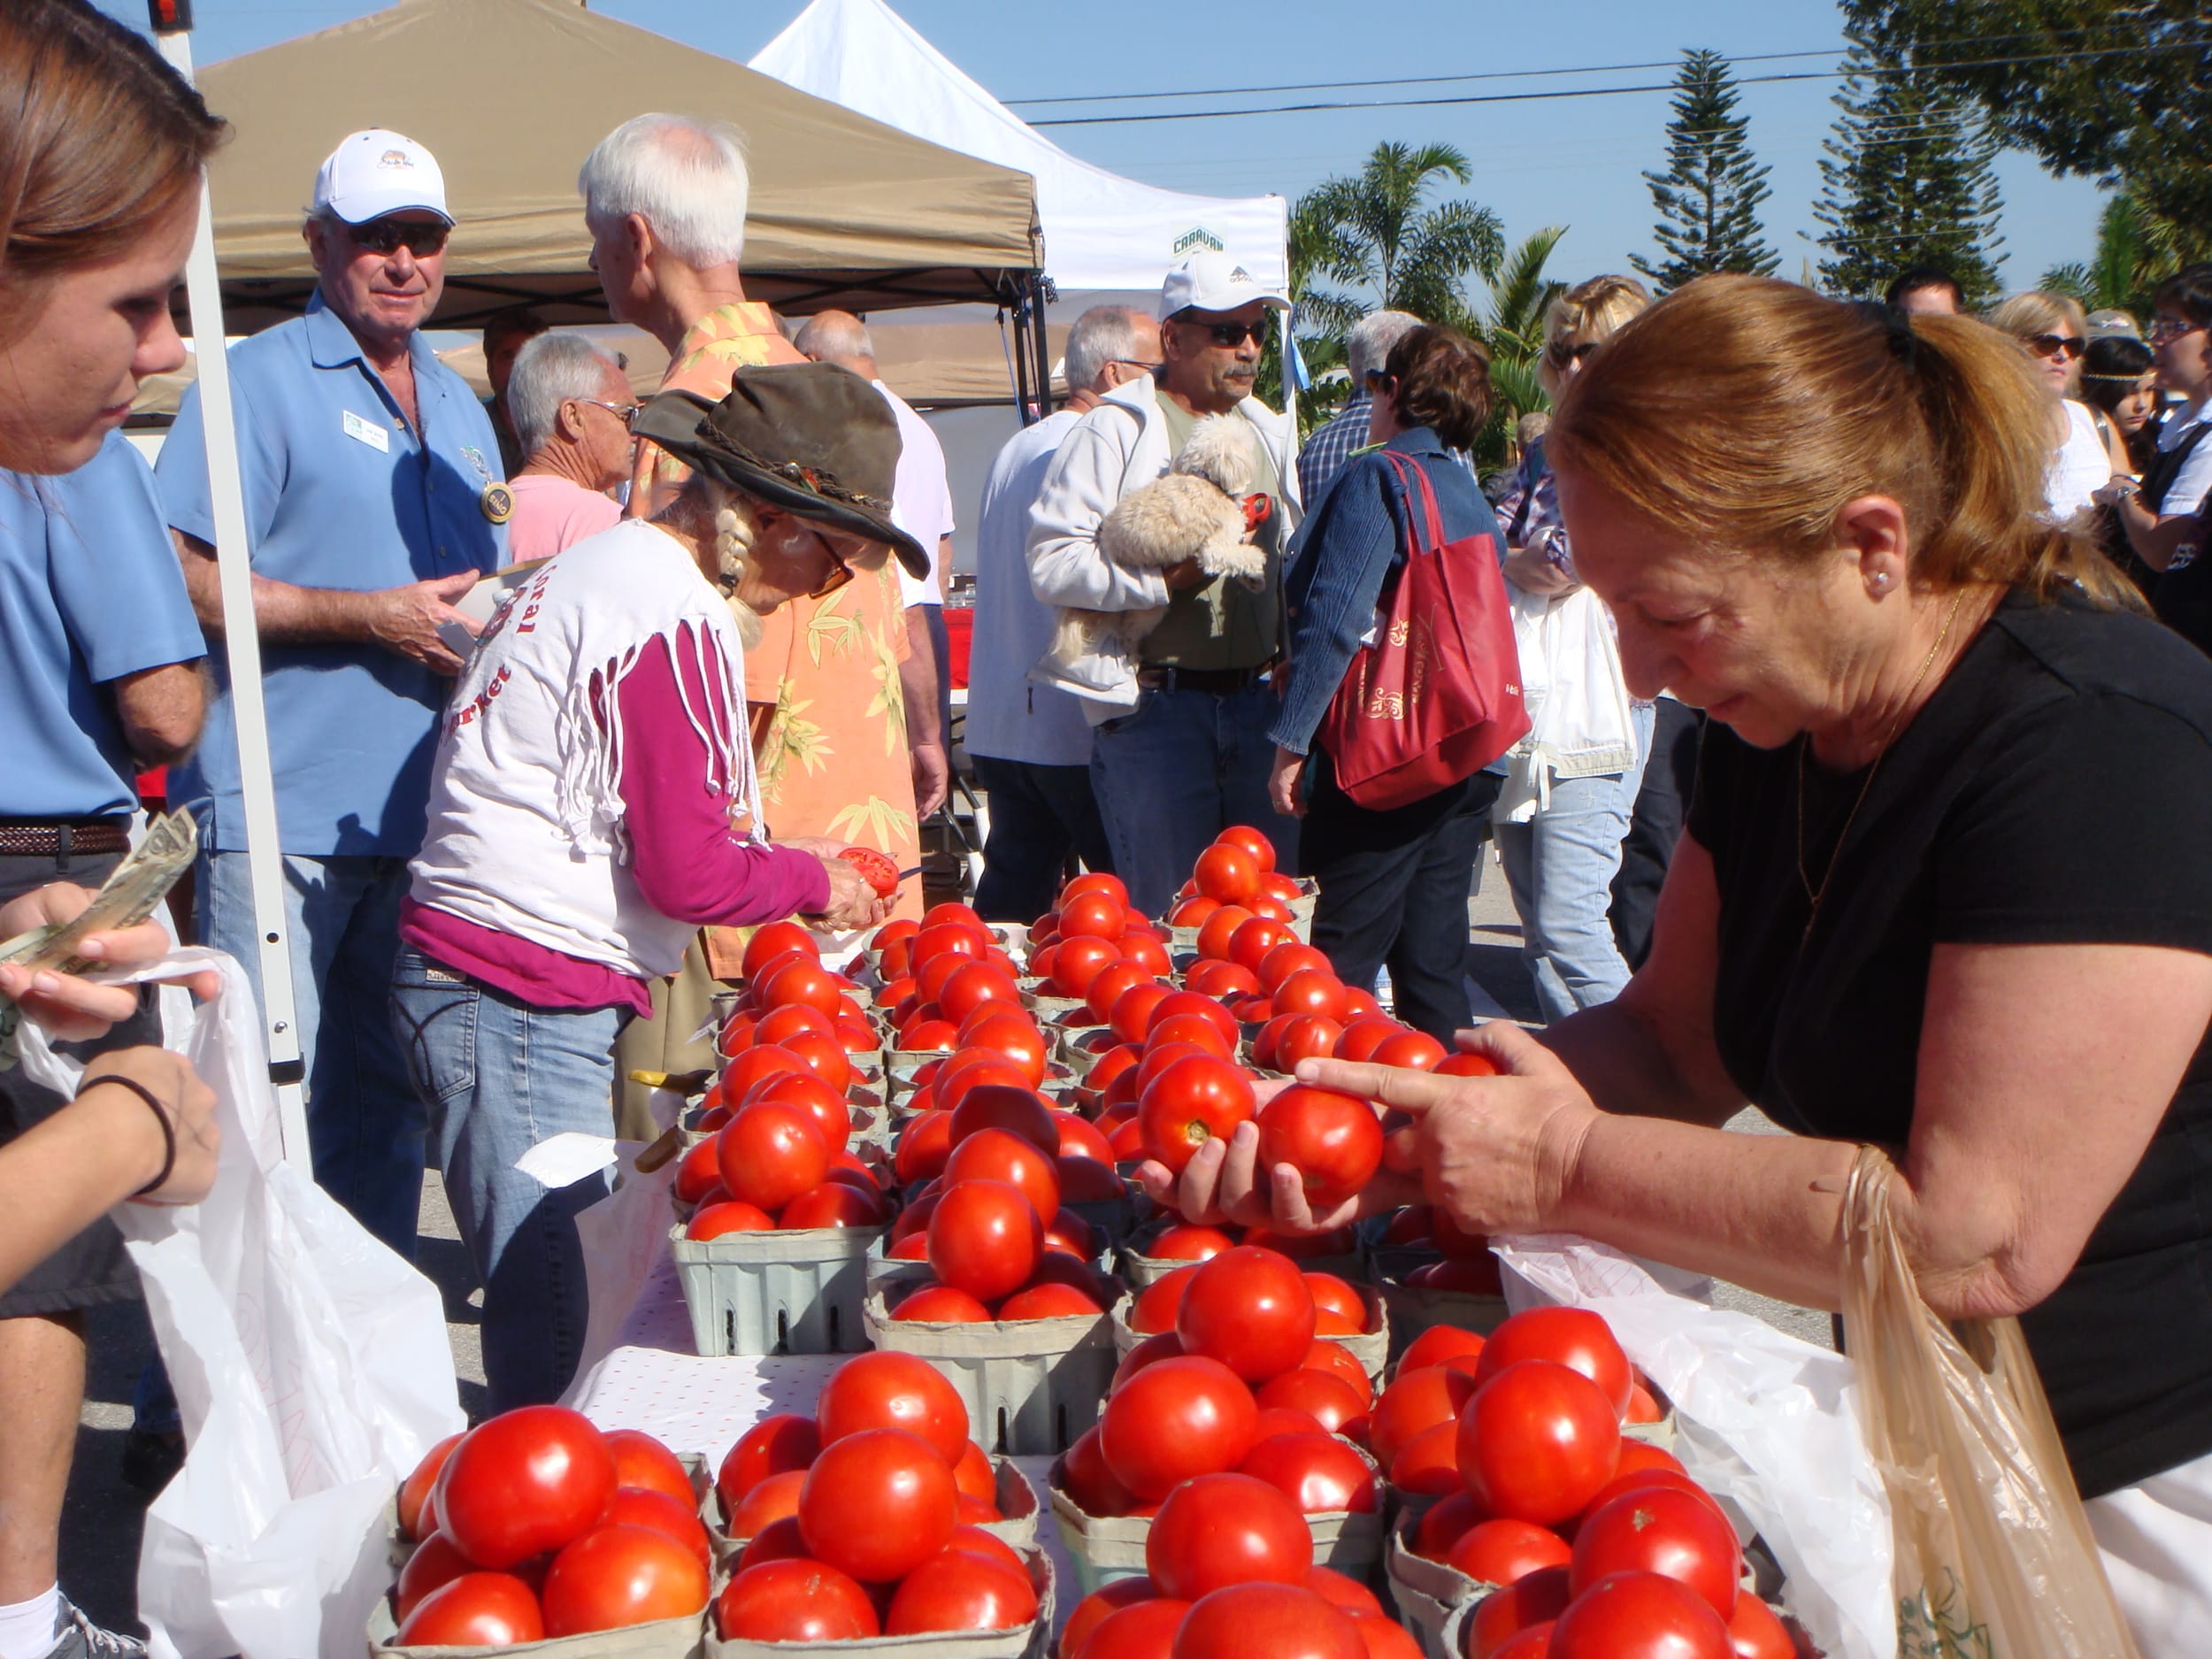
{"x":690,"y":863}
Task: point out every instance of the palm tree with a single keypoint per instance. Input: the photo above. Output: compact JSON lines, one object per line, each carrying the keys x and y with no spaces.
{"x":1378,"y":228}
{"x":1512,"y":326}
{"x":2134,"y":251}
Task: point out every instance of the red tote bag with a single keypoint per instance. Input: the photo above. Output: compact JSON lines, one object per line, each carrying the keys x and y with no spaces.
{"x":1437,"y":697}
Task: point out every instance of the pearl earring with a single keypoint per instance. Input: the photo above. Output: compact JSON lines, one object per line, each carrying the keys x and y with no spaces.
{"x":1880,"y":583}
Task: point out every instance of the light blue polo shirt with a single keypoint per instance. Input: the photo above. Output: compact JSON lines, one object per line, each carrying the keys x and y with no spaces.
{"x":89,"y":592}
{"x":341,"y":493}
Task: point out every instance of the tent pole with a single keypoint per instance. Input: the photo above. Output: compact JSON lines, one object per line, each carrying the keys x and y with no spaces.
{"x":1042,"y":286}
{"x":242,"y":639}
{"x":1024,"y":406}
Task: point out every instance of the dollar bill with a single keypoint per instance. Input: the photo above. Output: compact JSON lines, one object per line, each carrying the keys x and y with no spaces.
{"x":126,"y":898}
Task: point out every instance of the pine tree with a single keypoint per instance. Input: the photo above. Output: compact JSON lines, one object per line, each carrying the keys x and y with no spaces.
{"x":1709,"y":198}
{"x":1910,"y":180}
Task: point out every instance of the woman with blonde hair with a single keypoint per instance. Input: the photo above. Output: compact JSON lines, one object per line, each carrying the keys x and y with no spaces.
{"x":2083,"y":460}
{"x":1823,"y":524}
{"x":1572,"y":784}
{"x":593,"y":803}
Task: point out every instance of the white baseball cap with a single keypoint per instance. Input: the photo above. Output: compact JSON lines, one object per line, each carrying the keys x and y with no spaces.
{"x":376,"y":172}
{"x":1212,"y":281}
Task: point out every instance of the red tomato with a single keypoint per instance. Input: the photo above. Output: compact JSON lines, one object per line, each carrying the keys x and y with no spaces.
{"x":1197,"y":1098}
{"x":1217,"y":1530}
{"x":1657,"y":1529}
{"x":835,"y":1204}
{"x":697,"y":1173}
{"x":773,"y":1446}
{"x":1091,"y":1611}
{"x":1083,"y":1475}
{"x":1014,"y":1112}
{"x":617,"y":1575}
{"x":1289,"y":958}
{"x":878,"y":1504}
{"x":1274,"y":1420}
{"x":1640,"y":1615}
{"x":773,"y":1499}
{"x":1253,"y":841}
{"x":1158,"y":1057}
{"x":433,"y":1563}
{"x":1340,"y":1590}
{"x":992,"y":1154}
{"x":1337,"y":1360}
{"x":1305,"y":1037}
{"x":1096,"y":881}
{"x":1248,"y":945}
{"x":1092,"y":916}
{"x":1079,"y":961}
{"x":1319,"y":1473}
{"x":1537,"y":1441}
{"x":1131,"y":1015}
{"x":1572,"y":1337}
{"x":1532,"y":1643}
{"x":1183,"y":1242}
{"x":746,"y":1073}
{"x":1536,"y":1598}
{"x":894,"y":1391}
{"x":1191,"y":1003}
{"x":1442,"y":1523}
{"x":790,"y":1020}
{"x":773,"y":940}
{"x":1080,"y":1139}
{"x":940,"y":1304}
{"x":972,"y":1069}
{"x":1051,"y":1301}
{"x":1505,"y":1552}
{"x":1193,"y":912}
{"x":1249,"y":1309}
{"x":822,"y":1102}
{"x":1415,"y":1050}
{"x":984,"y":1236}
{"x":1417,"y":1400}
{"x":958,"y":1589}
{"x":824,"y":1055}
{"x":929,"y":1036}
{"x":795,"y":1602}
{"x":1637,"y":1456}
{"x":525,"y":1482}
{"x":1643,"y":1406}
{"x":973,"y":984}
{"x":1273,"y":909}
{"x":1363,"y":1035}
{"x":477,"y":1610}
{"x":1327,"y":1399}
{"x":950,"y":938}
{"x":1335,"y":1141}
{"x":418,"y":1486}
{"x":1144,"y":1630}
{"x":1229,"y":875}
{"x":1221,"y":979}
{"x":642,"y":1506}
{"x":1189,"y":1030}
{"x":808,"y":983}
{"x":1278,"y":1620}
{"x":1465,"y":1065}
{"x":974,"y":1475}
{"x":1107,"y":986}
{"x":1429,"y":1463}
{"x":924,"y":1146}
{"x":1217,"y":929}
{"x":1157,"y":1305}
{"x":770,"y":1153}
{"x":1158,"y":1346}
{"x":1755,"y":1632}
{"x":1437,"y":1344}
{"x":641,"y":1461}
{"x":1311,"y":991}
{"x":1385,"y":1638}
{"x":1172,"y":1420}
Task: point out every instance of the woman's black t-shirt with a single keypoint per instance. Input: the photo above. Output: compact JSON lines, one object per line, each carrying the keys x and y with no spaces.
{"x":2056,"y":788}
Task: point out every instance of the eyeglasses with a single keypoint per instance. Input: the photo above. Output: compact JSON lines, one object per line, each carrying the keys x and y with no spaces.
{"x":1561,"y":354}
{"x":1138,"y":363}
{"x":2067,"y":346}
{"x":2165,"y":328}
{"x":1233,"y":335}
{"x":388,"y":236}
{"x":624,"y":412}
{"x":840,"y":572}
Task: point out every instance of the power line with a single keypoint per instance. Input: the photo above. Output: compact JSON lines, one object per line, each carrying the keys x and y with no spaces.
{"x":1599,"y":92}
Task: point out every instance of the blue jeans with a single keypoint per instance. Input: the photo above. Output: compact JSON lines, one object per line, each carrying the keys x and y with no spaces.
{"x":1174,"y":772}
{"x":365,"y":1122}
{"x":1560,"y":866}
{"x":1039,"y":815}
{"x":498,"y":1077}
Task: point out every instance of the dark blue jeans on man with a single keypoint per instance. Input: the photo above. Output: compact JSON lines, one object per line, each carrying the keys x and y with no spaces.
{"x":1039,"y":816}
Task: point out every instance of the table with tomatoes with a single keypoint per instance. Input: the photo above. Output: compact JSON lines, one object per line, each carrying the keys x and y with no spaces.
{"x":1250,"y":1476}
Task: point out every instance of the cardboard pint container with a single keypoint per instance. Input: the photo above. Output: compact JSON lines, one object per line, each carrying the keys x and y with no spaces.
{"x":775,"y":1292}
{"x":1033,"y":1640}
{"x":1032,"y":1386}
{"x":1140,"y":1270}
{"x":1425,"y":1594}
{"x":1413,"y":1309}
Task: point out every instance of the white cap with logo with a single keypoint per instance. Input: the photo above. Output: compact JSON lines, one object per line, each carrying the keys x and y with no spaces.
{"x":376,"y":172}
{"x":1212,"y":281}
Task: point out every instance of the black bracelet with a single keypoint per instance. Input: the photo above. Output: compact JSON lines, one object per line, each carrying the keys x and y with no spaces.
{"x":161,"y":1114}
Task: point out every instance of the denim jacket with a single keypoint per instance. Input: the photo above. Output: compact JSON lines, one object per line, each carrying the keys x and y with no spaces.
{"x":1344,"y":553}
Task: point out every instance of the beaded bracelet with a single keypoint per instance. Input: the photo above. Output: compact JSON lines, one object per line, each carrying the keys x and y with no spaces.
{"x":161,"y":1114}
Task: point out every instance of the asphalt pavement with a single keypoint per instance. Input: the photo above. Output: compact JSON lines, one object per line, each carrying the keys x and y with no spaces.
{"x":102,"y":1523}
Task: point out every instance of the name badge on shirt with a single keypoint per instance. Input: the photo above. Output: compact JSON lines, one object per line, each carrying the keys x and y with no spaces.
{"x":368,"y":432}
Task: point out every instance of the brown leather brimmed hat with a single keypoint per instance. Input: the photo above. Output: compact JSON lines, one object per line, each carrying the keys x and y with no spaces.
{"x":811,"y":438}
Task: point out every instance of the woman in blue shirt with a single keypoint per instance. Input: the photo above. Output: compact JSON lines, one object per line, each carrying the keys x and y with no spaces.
{"x":1394,"y":883}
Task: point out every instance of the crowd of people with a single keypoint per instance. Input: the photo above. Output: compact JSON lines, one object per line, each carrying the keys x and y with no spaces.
{"x":1816,"y":608}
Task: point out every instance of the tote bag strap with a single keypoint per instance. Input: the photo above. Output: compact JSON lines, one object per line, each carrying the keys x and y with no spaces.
{"x":1430,"y":519}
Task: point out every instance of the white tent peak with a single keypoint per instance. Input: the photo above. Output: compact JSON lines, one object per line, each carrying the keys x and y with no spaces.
{"x":1101,"y":231}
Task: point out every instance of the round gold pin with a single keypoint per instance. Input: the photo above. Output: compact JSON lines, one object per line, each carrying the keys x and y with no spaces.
{"x":498,"y":503}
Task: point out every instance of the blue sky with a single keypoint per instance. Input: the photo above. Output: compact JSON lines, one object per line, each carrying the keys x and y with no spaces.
{"x":1576,"y":161}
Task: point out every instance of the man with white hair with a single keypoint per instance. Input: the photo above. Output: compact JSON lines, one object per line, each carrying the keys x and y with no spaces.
{"x":374,"y":501}
{"x":1030,"y":743}
{"x":1366,"y":348}
{"x":921,"y":505}
{"x":572,"y":408}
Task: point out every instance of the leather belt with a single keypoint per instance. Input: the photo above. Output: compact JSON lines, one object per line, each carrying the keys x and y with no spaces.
{"x":62,"y":840}
{"x":1220,"y":681}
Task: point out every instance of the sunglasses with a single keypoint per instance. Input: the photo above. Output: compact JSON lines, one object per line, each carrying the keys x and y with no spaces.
{"x":2069,"y":346}
{"x":1235,"y":334}
{"x":624,"y":412}
{"x":840,"y":572}
{"x":2165,"y":328}
{"x":388,"y":236}
{"x":1145,"y":365}
{"x":1561,"y":354}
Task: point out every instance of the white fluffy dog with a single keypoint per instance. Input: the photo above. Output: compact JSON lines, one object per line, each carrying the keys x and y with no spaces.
{"x":1197,"y":511}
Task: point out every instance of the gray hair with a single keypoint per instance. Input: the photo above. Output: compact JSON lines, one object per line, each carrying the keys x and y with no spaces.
{"x":1367,"y":345}
{"x":1102,"y":335}
{"x":837,"y":337}
{"x":685,"y":177}
{"x":549,"y":371}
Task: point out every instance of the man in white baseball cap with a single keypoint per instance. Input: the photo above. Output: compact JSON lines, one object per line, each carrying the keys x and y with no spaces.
{"x":1179,"y":752}
{"x":377,"y":172}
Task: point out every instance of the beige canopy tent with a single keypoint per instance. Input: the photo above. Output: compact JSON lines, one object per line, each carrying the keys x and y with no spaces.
{"x":510,"y":95}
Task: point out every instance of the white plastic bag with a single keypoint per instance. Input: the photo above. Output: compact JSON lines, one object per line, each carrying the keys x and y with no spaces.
{"x":310,"y":1368}
{"x":1762,"y":1418}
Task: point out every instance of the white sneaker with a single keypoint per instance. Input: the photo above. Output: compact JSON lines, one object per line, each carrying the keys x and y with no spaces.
{"x":81,"y":1639}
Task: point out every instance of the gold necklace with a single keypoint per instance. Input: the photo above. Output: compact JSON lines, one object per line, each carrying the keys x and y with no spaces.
{"x":1804,"y":742}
